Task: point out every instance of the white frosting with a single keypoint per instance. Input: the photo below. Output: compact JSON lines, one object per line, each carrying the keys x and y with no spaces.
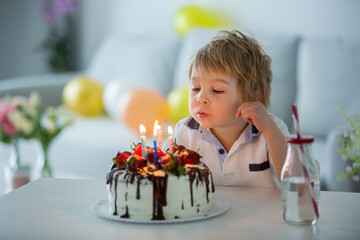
{"x":178,"y":195}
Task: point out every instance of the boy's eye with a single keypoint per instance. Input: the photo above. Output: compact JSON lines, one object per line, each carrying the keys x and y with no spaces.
{"x":217,"y":91}
{"x":194,"y":89}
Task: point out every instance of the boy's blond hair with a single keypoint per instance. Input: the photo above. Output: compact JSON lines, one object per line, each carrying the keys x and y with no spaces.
{"x":234,"y":53}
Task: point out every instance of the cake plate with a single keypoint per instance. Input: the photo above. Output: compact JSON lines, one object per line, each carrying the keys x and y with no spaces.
{"x":218,"y":207}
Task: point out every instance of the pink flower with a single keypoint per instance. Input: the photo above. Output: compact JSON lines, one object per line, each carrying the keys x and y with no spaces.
{"x":51,"y":9}
{"x":5,"y":123}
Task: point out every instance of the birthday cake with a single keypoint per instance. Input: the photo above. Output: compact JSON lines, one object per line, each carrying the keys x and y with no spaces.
{"x":176,"y":185}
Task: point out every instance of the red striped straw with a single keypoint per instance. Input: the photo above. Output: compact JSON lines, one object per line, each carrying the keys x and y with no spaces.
{"x":306,"y":173}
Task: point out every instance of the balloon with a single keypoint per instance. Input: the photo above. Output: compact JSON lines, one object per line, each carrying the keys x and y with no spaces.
{"x":112,"y":92}
{"x":178,"y":100}
{"x":194,"y":16}
{"x":142,"y":106}
{"x":83,"y":96}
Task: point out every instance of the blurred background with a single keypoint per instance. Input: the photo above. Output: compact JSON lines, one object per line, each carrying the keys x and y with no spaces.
{"x":120,"y":63}
{"x":24,"y":27}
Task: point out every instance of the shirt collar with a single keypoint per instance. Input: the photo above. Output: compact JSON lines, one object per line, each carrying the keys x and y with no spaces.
{"x":250,"y":132}
{"x":204,"y":133}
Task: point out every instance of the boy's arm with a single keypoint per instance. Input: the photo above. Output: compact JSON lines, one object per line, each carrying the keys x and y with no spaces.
{"x":276,"y":144}
{"x":255,"y":113}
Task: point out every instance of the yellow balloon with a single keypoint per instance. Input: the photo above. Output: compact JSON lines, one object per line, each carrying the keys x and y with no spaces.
{"x":194,"y":16}
{"x":83,"y":96}
{"x":178,"y":100}
{"x":142,"y":106}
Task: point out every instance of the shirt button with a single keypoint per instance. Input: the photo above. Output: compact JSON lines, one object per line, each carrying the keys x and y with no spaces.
{"x":221,"y":151}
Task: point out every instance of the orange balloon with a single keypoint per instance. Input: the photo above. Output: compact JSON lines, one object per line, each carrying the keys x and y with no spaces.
{"x":142,"y":106}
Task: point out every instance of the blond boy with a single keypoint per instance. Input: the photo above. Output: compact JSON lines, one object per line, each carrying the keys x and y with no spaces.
{"x":239,"y":140}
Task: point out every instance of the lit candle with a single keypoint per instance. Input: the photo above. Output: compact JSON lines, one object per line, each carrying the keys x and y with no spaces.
{"x":171,"y":146}
{"x":160,"y":135}
{"x":143,"y":140}
{"x":155,"y":133}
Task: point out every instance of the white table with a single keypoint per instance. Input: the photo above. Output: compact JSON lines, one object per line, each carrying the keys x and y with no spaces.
{"x":61,"y":209}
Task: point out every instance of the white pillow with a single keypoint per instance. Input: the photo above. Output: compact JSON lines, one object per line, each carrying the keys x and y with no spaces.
{"x":282,"y":50}
{"x":146,"y":59}
{"x":138,"y":60}
{"x":328,"y":77}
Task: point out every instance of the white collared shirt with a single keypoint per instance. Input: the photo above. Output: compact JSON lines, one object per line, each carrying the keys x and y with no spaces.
{"x":248,"y":163}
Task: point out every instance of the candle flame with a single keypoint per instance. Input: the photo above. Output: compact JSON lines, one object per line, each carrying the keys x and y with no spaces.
{"x":156,"y":128}
{"x":142,"y":129}
{"x":170,"y":130}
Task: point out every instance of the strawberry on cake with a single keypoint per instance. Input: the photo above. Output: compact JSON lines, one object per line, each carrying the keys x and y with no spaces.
{"x":178,"y":185}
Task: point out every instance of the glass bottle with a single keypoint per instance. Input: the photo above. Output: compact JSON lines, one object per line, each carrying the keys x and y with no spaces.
{"x":300,"y":183}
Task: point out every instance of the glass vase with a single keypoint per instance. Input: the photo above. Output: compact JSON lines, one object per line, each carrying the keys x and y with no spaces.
{"x":16,"y":174}
{"x":42,"y":167}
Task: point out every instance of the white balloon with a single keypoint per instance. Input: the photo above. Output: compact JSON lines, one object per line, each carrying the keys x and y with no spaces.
{"x":112,"y":92}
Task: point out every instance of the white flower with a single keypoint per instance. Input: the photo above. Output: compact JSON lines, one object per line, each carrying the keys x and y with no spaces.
{"x":66,"y":118}
{"x":21,"y":122}
{"x":50,"y":112}
{"x":32,"y":111}
{"x":35,"y":99}
{"x":354,"y":151}
{"x":352,"y":136}
{"x":349,"y":169}
{"x":356,"y":178}
{"x":51,"y":127}
{"x":27,"y":127}
{"x":356,"y":165}
{"x":16,"y":118}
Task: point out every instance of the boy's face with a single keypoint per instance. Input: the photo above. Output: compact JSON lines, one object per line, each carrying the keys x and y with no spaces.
{"x":214,"y":99}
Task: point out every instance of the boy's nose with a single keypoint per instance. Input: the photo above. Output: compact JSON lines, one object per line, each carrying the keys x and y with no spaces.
{"x":202,"y":98}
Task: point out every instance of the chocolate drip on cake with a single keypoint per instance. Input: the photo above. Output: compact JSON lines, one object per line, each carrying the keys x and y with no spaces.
{"x":138,"y":187}
{"x":212,"y":182}
{"x":110,"y":175}
{"x":126,"y":215}
{"x":159,"y":196}
{"x":200,"y":175}
{"x":129,"y":177}
{"x":116,"y":183}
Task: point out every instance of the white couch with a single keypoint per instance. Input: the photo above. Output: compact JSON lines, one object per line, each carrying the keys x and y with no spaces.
{"x":318,"y":75}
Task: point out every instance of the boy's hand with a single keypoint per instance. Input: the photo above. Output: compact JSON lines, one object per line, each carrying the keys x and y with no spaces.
{"x":256,"y":114}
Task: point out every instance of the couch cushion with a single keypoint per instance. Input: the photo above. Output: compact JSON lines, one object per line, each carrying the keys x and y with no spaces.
{"x":282,"y":50}
{"x":328,"y":77}
{"x":86,"y":148}
{"x":144,"y":59}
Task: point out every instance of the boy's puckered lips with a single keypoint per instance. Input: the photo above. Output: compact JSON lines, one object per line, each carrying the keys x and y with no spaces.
{"x":202,"y":114}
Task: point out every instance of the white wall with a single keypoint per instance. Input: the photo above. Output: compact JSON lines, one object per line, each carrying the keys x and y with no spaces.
{"x":21,"y":30}
{"x":310,"y":18}
{"x":94,"y":23}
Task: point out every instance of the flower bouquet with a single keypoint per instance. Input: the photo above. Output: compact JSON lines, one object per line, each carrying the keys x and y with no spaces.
{"x":22,"y":118}
{"x":350,"y":148}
